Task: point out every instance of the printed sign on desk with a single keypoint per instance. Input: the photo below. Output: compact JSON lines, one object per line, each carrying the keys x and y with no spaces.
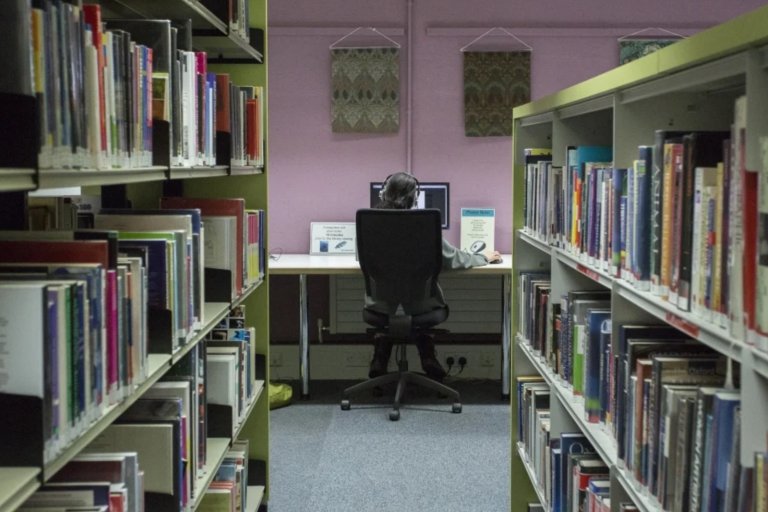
{"x":477,"y":229}
{"x":332,"y":238}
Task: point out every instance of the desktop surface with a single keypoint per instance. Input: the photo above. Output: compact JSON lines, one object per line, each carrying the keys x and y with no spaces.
{"x":291,"y":264}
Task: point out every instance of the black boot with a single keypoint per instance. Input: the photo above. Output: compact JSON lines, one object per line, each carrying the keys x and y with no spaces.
{"x":429,"y":362}
{"x":382,"y":348}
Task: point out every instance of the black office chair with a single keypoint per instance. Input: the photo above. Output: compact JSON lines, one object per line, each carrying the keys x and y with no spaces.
{"x":400,"y":253}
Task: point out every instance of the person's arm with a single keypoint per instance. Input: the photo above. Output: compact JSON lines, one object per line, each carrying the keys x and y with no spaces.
{"x":456,"y":259}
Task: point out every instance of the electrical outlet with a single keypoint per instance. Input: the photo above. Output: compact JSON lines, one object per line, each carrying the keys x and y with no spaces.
{"x":275,"y":359}
{"x":455,"y":356}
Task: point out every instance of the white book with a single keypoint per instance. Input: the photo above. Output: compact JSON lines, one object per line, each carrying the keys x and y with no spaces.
{"x":153,"y":442}
{"x":221,"y":381}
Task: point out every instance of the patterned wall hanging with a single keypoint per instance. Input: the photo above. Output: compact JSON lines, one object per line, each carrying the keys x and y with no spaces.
{"x":644,"y":42}
{"x":494,"y":83}
{"x":365,"y":83}
{"x":633,"y":49}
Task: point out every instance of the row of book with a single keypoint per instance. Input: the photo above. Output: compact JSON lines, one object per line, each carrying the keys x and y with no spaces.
{"x":130,"y":93}
{"x":164,"y":433}
{"x":667,"y":400}
{"x":688,"y":222}
{"x":84,"y":308}
{"x":570,"y":475}
{"x":697,"y":448}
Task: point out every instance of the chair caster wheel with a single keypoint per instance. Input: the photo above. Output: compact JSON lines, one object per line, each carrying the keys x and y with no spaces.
{"x":394,"y":415}
{"x":345,"y":405}
{"x":456,"y":409}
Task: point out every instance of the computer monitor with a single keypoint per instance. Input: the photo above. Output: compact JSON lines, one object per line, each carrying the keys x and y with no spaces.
{"x":431,"y":195}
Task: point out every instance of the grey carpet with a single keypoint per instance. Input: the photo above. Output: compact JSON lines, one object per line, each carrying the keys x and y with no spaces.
{"x":324,"y":459}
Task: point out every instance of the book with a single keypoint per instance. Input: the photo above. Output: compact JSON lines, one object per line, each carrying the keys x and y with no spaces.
{"x":761,"y":305}
{"x":700,"y":149}
{"x":642,"y":222}
{"x":661,"y":205}
{"x":217,"y":207}
{"x":699,"y":369}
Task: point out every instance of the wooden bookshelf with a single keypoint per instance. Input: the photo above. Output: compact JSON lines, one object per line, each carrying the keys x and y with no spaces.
{"x":691,"y":85}
{"x":255,"y":497}
{"x":16,"y":485}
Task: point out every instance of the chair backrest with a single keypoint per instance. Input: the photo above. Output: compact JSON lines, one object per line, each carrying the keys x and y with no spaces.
{"x":400,"y":253}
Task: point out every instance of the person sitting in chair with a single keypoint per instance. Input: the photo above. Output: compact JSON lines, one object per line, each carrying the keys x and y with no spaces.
{"x":401,"y":191}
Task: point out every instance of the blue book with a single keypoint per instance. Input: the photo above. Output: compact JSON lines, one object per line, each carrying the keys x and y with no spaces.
{"x":641,"y":258}
{"x":570,"y":443}
{"x":725,"y":405}
{"x":606,"y":366}
{"x":619,"y":183}
{"x":592,"y":356}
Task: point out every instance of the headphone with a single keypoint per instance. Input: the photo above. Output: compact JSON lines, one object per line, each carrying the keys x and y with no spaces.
{"x":410,"y":202}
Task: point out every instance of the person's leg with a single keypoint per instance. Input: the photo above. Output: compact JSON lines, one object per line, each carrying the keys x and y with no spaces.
{"x":382,"y":349}
{"x":429,"y":362}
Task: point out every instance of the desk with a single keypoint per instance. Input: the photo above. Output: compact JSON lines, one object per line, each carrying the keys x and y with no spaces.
{"x":303,"y":265}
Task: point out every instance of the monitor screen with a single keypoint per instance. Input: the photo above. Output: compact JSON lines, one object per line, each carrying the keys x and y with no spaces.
{"x":431,"y":195}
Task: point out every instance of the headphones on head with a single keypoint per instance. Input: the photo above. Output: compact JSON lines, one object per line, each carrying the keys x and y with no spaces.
{"x":384,"y":192}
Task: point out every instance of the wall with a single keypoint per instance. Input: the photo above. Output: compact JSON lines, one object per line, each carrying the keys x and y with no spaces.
{"x":316,"y":175}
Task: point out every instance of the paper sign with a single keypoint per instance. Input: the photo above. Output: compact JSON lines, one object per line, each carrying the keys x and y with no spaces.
{"x":332,"y":238}
{"x":477,"y":229}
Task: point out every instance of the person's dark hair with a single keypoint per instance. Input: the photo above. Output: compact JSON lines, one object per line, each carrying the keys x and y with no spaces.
{"x":399,"y":192}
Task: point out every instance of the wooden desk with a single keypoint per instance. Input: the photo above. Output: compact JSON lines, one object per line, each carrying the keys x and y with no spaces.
{"x":303,"y":265}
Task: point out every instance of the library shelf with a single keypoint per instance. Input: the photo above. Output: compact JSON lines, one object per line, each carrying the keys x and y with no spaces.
{"x":245,"y":170}
{"x":205,"y":24}
{"x":534,"y":242}
{"x":257,"y":391}
{"x":604,"y":444}
{"x":13,"y":180}
{"x":60,"y":178}
{"x":213,"y":313}
{"x":16,"y":485}
{"x":157,"y":366}
{"x":254,"y":498}
{"x":638,"y":494}
{"x":583,"y":267}
{"x":710,"y":334}
{"x":216,"y":451}
{"x":532,"y":475}
{"x":183,"y":173}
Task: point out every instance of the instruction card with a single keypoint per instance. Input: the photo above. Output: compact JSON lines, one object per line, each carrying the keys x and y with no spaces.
{"x":332,"y":238}
{"x":477,"y":229}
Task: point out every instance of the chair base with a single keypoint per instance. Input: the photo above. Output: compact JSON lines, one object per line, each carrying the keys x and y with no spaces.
{"x":403,"y":378}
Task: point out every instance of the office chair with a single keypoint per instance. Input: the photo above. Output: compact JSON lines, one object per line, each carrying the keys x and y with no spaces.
{"x":400,"y":253}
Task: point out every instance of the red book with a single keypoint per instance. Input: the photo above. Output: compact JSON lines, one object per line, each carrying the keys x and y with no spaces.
{"x":217,"y":206}
{"x":749,"y":187}
{"x":223,"y":123}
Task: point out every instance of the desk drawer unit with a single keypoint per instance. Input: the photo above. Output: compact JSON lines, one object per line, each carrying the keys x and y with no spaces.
{"x":475,"y":304}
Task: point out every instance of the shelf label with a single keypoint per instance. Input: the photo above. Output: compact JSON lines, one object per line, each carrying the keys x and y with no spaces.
{"x":684,"y":325}
{"x":588,"y":272}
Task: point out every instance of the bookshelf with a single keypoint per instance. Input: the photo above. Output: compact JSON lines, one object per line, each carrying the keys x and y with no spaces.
{"x":690,"y":86}
{"x":142,"y":186}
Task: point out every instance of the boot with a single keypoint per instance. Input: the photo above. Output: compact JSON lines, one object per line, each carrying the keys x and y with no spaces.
{"x":429,"y":362}
{"x":382,"y":349}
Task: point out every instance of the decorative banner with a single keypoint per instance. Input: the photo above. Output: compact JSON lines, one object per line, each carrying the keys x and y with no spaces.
{"x":366,"y":90}
{"x":632,"y":49}
{"x":494,"y":83}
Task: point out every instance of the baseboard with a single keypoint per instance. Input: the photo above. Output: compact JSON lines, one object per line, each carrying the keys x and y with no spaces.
{"x":331,"y":362}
